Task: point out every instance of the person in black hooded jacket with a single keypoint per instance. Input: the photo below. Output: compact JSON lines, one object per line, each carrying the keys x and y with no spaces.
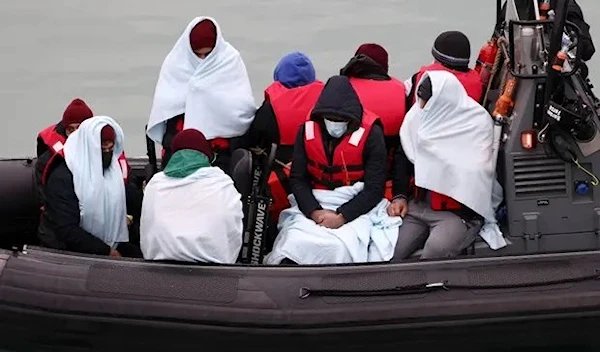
{"x":338,"y":114}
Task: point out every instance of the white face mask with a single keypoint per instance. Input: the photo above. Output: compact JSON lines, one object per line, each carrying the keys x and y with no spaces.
{"x":336,"y":129}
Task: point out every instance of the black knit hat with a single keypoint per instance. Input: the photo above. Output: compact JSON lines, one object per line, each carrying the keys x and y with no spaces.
{"x":452,"y":49}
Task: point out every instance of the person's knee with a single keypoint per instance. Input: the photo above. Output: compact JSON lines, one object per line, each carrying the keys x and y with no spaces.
{"x":447,"y":240}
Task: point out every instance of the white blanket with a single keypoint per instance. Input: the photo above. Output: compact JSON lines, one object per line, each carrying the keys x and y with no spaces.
{"x":370,"y":238}
{"x":101,"y":194}
{"x":214,"y":93}
{"x":450,"y":144}
{"x":197,"y":218}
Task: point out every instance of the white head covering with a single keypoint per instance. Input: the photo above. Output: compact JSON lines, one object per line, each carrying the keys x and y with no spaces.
{"x":450,"y":143}
{"x":214,"y":93}
{"x":101,"y":193}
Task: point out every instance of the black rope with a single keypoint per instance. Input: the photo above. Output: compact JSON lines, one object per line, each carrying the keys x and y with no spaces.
{"x":306,"y":292}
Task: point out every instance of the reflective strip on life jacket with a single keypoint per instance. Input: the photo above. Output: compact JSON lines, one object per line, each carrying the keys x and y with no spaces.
{"x":292,"y":107}
{"x":385,"y":99}
{"x":471,"y":80}
{"x":347,"y":167}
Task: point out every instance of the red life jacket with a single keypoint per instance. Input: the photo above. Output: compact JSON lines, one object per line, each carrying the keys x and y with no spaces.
{"x":292,"y":107}
{"x":346,"y":167}
{"x":438,"y":201}
{"x":384,"y":99}
{"x":218,"y":144}
{"x":279,"y":187}
{"x":471,"y":80}
{"x":56,"y":143}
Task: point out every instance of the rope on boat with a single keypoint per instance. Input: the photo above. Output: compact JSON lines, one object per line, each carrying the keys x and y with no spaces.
{"x":595,"y":180}
{"x":306,"y":292}
{"x":495,"y":68}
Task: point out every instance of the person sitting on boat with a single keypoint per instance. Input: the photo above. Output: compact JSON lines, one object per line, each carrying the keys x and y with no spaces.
{"x":84,"y":208}
{"x":192,"y":211}
{"x":51,"y":140}
{"x":337,"y":178}
{"x":451,"y":52}
{"x":378,"y":92}
{"x":288,"y":102}
{"x":203,"y":84}
{"x":444,"y":172}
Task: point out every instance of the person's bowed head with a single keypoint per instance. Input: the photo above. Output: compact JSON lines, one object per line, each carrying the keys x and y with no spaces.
{"x":203,"y":38}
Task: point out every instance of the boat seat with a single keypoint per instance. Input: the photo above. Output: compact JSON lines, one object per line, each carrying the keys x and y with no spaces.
{"x":241,"y":171}
{"x":19,"y":209}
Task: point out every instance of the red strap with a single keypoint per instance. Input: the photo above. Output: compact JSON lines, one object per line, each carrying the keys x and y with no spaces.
{"x":219,"y":144}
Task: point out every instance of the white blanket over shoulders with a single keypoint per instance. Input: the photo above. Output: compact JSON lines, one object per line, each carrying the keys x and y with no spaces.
{"x":197,"y":218}
{"x":369,"y":238}
{"x":214,"y":93}
{"x":450,"y":142}
{"x":101,"y":193}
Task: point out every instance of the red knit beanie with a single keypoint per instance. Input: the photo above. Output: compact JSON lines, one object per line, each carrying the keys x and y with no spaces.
{"x":107,"y":134}
{"x":375,"y":52}
{"x":76,"y":112}
{"x":194,"y":140}
{"x":203,"y":35}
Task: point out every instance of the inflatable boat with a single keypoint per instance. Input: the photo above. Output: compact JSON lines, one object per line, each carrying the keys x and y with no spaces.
{"x":541,"y":290}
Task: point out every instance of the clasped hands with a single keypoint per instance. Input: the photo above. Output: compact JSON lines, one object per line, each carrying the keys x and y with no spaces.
{"x":328,"y":218}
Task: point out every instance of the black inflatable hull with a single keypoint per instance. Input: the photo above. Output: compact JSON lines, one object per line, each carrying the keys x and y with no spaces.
{"x":54,"y":301}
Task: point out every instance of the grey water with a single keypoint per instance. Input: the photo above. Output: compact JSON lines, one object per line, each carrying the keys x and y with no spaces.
{"x":109,"y":52}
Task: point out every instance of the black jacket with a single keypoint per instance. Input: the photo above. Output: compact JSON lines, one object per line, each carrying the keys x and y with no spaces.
{"x":264,"y":131}
{"x":43,"y":157}
{"x":59,"y":226}
{"x":362,"y":66}
{"x":339,"y":99}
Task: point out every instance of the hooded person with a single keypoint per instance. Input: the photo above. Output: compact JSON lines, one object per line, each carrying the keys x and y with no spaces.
{"x":444,"y":172}
{"x":378,"y":92}
{"x":191,"y":210}
{"x":84,"y":209}
{"x":341,"y":145}
{"x":288,"y":102}
{"x":451,"y":52}
{"x":203,"y":84}
{"x":51,"y":142}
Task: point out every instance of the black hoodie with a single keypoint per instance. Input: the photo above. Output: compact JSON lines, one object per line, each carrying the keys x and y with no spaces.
{"x":339,"y":99}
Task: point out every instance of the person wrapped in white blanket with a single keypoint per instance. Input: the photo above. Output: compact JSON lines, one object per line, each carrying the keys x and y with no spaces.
{"x":85,"y":208}
{"x":203,"y":84}
{"x":191,"y":211}
{"x":338,"y":213}
{"x":444,"y":172}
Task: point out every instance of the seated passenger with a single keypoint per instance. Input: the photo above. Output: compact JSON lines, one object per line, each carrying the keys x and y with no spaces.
{"x":51,"y":140}
{"x":84,"y":208}
{"x":191,"y":211}
{"x":451,"y":52}
{"x":203,"y":84}
{"x":444,"y":172}
{"x":379,"y":93}
{"x":337,"y":179}
{"x":288,"y":102}
{"x":377,"y":90}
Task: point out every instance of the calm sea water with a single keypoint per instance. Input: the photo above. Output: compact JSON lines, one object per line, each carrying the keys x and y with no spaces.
{"x":109,"y":52}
